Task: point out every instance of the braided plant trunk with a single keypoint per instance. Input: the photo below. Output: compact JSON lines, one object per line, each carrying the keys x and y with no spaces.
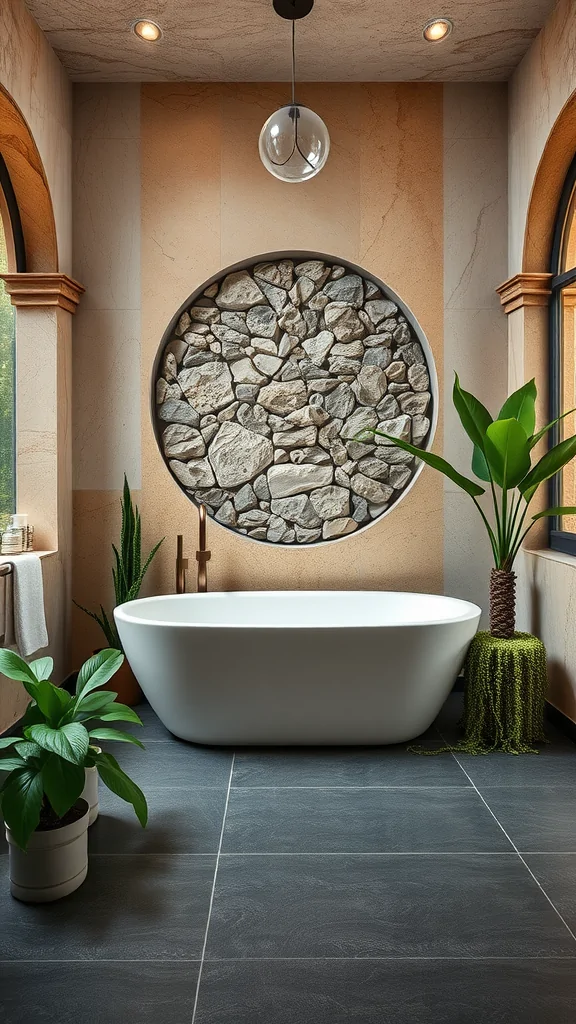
{"x":502,"y":604}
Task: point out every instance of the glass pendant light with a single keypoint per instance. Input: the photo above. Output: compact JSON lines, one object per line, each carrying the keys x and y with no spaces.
{"x":294,"y":142}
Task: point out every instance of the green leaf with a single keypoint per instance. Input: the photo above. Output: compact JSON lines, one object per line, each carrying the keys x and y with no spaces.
{"x":436,"y":462}
{"x":92,"y":703}
{"x":120,"y":713}
{"x":537,"y":437}
{"x":521,"y":406}
{"x":560,"y":510}
{"x":98,"y":670}
{"x":21,"y":803}
{"x":63,"y":783}
{"x":69,"y":741}
{"x":507,"y":452}
{"x":115,"y":734}
{"x":52,"y":701}
{"x":42,"y":667}
{"x":29,"y":750}
{"x":474,"y":417}
{"x":479,"y":465}
{"x":112,"y":776}
{"x":550,"y":463}
{"x":32,"y":716}
{"x":13,"y":666}
{"x":9,"y":764}
{"x":8,"y":741}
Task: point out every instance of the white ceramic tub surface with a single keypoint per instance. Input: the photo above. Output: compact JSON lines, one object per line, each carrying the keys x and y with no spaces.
{"x":297,"y":667}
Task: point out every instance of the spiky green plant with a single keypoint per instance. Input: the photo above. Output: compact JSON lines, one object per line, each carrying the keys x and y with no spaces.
{"x":128,"y":572}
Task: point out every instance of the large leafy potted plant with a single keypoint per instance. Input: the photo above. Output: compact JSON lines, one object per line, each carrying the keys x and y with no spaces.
{"x":41,"y":796}
{"x":128,"y":574}
{"x":502,"y":459}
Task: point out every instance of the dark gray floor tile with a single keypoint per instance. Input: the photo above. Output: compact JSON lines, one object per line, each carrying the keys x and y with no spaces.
{"x":183,"y":820}
{"x":441,"y":906}
{"x":152,"y":726}
{"x":557,"y":876}
{"x":554,"y":765}
{"x":129,"y":908}
{"x":145,"y":993}
{"x":324,"y":992}
{"x":348,"y":766}
{"x":537,"y":818}
{"x":173,"y":763}
{"x":360,"y":821}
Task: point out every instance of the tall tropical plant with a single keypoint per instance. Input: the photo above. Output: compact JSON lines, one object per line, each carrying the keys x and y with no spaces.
{"x":502,"y":459}
{"x":46,"y":764}
{"x":128,"y":572}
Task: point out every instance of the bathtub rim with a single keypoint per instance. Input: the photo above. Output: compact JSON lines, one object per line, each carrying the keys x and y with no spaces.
{"x":469,"y":611}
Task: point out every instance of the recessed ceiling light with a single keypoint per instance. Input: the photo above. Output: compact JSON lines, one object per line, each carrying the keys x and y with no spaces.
{"x":147,"y":30}
{"x":437,"y":29}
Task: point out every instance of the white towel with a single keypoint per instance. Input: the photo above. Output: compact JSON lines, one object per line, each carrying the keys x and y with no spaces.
{"x":25,"y":622}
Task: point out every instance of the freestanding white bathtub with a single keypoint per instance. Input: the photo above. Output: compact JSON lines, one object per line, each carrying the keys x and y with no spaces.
{"x":297,"y":667}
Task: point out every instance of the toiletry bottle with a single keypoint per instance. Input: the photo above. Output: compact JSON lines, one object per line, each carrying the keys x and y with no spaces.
{"x":19,"y":521}
{"x":11,"y":541}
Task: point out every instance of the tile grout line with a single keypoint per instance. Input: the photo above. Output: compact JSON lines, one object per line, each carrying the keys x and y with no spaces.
{"x":517,"y":851}
{"x":284,"y":959}
{"x":213,"y":891}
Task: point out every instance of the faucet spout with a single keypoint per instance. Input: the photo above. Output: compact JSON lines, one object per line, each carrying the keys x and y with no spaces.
{"x":202,"y":555}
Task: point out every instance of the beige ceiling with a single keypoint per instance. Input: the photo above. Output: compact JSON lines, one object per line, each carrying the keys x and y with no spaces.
{"x":341,"y":40}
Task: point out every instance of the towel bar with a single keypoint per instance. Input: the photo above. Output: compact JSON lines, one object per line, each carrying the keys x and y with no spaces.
{"x":5,"y":569}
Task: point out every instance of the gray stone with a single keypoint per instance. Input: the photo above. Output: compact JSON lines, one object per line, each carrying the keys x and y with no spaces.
{"x":306,"y":436}
{"x":377,"y":340}
{"x":318,"y":302}
{"x":286,"y":480}
{"x":209,"y":432}
{"x":196,"y":358}
{"x":214,"y":497}
{"x":278,"y":423}
{"x":331,"y":502}
{"x":277,"y":530}
{"x":415,"y":405}
{"x":290,"y":372}
{"x":312,"y":319}
{"x":246,"y":392}
{"x":216,"y":347}
{"x":347,"y":288}
{"x":259,"y":533}
{"x":239,"y":291}
{"x":374,"y":468}
{"x":170,"y":367}
{"x":338,"y":528}
{"x":341,"y":478}
{"x":338,"y":452}
{"x":360,"y":509}
{"x":226,"y":514}
{"x":323,"y":387}
{"x":314,"y":269}
{"x":162,"y":390}
{"x":343,"y":321}
{"x":402,"y":335}
{"x":381,"y":357}
{"x":244,"y":372}
{"x":231,"y":353}
{"x":268,"y":365}
{"x":277,"y":297}
{"x":350,"y":349}
{"x":398,"y":389}
{"x":412,"y":354}
{"x":371,"y":290}
{"x":309,"y":415}
{"x":380,"y":309}
{"x":318,"y":348}
{"x":204,"y":315}
{"x":173,"y":411}
{"x":388,"y":408}
{"x":370,"y":385}
{"x":287,"y":343}
{"x":361,"y":419}
{"x":283,"y":397}
{"x":236,"y":320}
{"x":208,"y":387}
{"x":183,"y":324}
{"x":195,"y":332}
{"x":255,"y":517}
{"x":304,"y":536}
{"x":418,"y":377}
{"x":340,"y":402}
{"x":261,"y":489}
{"x":265,"y":345}
{"x":400,"y":427}
{"x":193,"y":474}
{"x":211,"y":291}
{"x":394,"y":456}
{"x":329,"y":432}
{"x":357,"y":449}
{"x":397,"y":371}
{"x":292,"y":321}
{"x":310,"y":370}
{"x":315,"y":454}
{"x":182,"y":442}
{"x":370,"y":489}
{"x":278,"y":274}
{"x":229,"y":334}
{"x":177,"y":348}
{"x":344,"y":367}
{"x":297,"y":509}
{"x":337,"y":272}
{"x":262,"y":321}
{"x":420,"y":427}
{"x":301,"y":290}
{"x":399,"y":476}
{"x":316,"y":400}
{"x":377,"y":510}
{"x":255,"y":418}
{"x":238,"y":454}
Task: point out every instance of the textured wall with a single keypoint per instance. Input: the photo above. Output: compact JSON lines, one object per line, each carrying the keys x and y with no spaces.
{"x":398,"y":169}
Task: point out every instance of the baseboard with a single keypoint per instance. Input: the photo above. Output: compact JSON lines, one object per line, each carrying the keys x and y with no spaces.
{"x":561,"y":721}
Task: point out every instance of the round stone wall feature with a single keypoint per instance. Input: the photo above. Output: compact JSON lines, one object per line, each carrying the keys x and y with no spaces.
{"x":263,"y":382}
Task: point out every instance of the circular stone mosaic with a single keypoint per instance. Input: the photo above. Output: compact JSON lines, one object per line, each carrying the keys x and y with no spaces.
{"x":262,"y":383}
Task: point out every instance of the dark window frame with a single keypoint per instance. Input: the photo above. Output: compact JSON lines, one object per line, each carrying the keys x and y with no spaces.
{"x":15,"y":219}
{"x":559,"y":540}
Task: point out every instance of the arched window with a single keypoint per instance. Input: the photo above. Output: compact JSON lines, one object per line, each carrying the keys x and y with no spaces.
{"x":12,"y":258}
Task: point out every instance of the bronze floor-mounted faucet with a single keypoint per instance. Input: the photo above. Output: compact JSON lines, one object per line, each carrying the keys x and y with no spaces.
{"x":202,"y":557}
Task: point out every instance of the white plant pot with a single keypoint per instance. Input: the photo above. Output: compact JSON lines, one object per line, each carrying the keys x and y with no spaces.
{"x":54,"y":864}
{"x":90,"y":791}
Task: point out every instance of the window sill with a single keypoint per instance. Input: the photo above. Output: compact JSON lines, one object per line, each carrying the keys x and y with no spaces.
{"x":41,"y":554}
{"x":552,"y":556}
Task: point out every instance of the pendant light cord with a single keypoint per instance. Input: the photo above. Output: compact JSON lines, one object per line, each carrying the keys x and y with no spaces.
{"x":293,"y":63}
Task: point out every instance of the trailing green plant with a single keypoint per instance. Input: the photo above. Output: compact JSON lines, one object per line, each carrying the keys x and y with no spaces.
{"x":46,"y":764}
{"x":128,"y":571}
{"x":501,"y":459}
